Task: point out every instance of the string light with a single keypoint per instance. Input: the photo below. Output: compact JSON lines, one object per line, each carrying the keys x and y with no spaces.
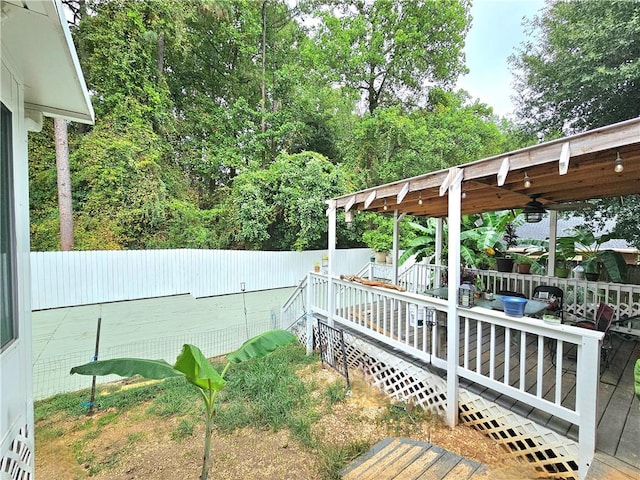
{"x":619,"y":165}
{"x":385,"y":204}
{"x":527,"y":180}
{"x":463,"y":194}
{"x":420,"y":199}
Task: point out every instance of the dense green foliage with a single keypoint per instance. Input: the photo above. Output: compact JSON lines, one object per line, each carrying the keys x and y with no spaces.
{"x":228,"y":124}
{"x":581,"y":70}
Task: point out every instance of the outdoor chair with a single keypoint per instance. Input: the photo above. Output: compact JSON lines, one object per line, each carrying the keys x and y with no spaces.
{"x":554,"y":296}
{"x":601,"y":323}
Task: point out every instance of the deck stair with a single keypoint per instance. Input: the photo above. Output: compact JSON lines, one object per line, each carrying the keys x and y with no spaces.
{"x":406,"y":459}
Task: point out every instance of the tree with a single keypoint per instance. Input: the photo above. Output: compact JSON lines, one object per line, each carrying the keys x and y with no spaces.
{"x":389,"y":50}
{"x":581,"y":70}
{"x":196,"y":369}
{"x":393,"y":144}
{"x":64,"y":184}
{"x":283,"y":207}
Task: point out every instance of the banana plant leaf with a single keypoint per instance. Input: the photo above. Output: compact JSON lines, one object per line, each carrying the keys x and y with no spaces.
{"x":261,"y":345}
{"x":197,"y":369}
{"x":614,"y":264}
{"x":128,"y":367}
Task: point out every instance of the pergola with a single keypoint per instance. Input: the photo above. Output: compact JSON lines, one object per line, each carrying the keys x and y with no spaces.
{"x":571,"y":169}
{"x":575,"y":168}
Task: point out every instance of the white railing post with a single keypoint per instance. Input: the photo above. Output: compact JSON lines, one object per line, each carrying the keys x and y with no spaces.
{"x":438,"y":252}
{"x":331,"y":288}
{"x":453,"y":322}
{"x":586,"y":401}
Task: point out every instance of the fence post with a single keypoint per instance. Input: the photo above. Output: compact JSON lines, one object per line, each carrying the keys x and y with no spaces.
{"x":586,"y":401}
{"x":308,"y":314}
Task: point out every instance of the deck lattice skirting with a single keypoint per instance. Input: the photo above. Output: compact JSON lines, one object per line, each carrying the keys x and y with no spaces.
{"x":554,"y":455}
{"x":17,"y":464}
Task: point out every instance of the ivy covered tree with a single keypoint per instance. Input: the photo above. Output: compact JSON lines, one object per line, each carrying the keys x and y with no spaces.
{"x":283,"y":207}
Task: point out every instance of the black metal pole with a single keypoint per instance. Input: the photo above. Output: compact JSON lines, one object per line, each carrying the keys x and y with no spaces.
{"x":95,"y":359}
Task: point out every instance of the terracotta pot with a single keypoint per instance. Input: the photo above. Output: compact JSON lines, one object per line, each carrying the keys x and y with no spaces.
{"x":524,"y":268}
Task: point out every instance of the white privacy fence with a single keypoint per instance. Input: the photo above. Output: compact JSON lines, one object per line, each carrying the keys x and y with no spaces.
{"x":61,"y":279}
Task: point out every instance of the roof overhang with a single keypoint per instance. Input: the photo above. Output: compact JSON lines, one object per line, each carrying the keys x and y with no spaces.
{"x":571,"y":169}
{"x":37,"y":40}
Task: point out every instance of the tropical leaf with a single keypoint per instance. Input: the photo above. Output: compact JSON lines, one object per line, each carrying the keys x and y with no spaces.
{"x":614,"y":264}
{"x":128,"y":367}
{"x":197,"y":369}
{"x":261,"y":345}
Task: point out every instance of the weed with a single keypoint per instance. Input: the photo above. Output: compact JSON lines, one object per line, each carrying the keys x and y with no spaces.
{"x":334,"y":457}
{"x":110,"y":417}
{"x":46,"y":433}
{"x":134,"y":437}
{"x":183,"y":430}
{"x":404,"y":418}
{"x":336,"y":392}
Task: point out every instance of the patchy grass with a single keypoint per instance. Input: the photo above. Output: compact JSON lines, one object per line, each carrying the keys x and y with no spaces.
{"x":282,"y":416}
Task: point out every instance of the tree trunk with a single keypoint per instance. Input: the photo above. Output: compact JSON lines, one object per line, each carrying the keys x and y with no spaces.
{"x":160,"y":59}
{"x":263,"y":85}
{"x":64,"y":184}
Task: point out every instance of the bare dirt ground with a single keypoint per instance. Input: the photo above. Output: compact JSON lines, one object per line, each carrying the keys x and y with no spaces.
{"x":133,"y":445}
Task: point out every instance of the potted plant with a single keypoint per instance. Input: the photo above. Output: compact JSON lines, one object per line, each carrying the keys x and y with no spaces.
{"x":565,"y":253}
{"x":524,"y":262}
{"x":588,"y":245}
{"x":487,"y":237}
{"x":504,"y":262}
{"x":380,"y":240}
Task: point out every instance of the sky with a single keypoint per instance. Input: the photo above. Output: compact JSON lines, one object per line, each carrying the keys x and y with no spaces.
{"x":496,"y":31}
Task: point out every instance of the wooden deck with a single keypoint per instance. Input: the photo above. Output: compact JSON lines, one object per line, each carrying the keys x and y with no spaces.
{"x":618,"y":434}
{"x":405,"y":459}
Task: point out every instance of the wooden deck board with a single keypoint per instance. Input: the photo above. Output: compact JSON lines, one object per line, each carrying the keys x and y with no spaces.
{"x":405,"y":459}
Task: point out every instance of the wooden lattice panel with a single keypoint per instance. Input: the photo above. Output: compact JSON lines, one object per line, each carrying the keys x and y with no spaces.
{"x":17,"y":461}
{"x":553,"y":455}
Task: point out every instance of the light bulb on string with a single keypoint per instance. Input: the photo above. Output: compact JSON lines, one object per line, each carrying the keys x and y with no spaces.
{"x":619,"y":164}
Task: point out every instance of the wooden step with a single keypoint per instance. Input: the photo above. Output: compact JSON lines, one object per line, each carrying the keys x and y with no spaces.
{"x":406,"y":459}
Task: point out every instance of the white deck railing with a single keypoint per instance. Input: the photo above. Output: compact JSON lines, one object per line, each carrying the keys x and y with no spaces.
{"x":501,"y":353}
{"x":581,"y":297}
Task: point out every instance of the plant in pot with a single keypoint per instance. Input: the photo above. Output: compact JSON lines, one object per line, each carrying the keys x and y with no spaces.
{"x":565,"y":252}
{"x":380,"y":240}
{"x":487,"y":237}
{"x":524,"y":262}
{"x":588,"y":245}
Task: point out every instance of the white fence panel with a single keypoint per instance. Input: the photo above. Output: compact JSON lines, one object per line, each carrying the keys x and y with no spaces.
{"x":62,"y":279}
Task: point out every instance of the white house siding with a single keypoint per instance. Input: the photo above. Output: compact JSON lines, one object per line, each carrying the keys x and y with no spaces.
{"x":16,"y":404}
{"x":62,"y":279}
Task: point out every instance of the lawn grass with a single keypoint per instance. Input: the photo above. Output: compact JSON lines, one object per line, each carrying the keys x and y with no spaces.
{"x":260,"y":393}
